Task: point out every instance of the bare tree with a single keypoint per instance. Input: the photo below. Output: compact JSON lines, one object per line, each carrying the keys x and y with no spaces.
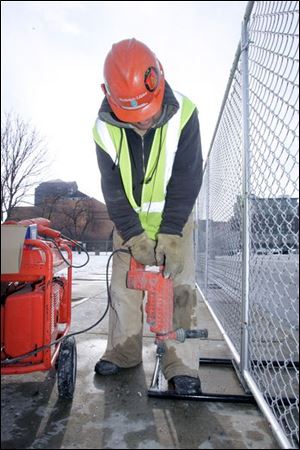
{"x":50,"y":205}
{"x":77,"y":217}
{"x":23,"y":161}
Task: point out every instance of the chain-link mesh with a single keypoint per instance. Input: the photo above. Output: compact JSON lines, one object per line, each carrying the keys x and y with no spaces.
{"x":221,"y":199}
{"x":273,"y":204}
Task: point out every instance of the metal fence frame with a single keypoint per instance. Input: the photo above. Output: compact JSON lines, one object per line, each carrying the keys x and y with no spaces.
{"x":268,"y":34}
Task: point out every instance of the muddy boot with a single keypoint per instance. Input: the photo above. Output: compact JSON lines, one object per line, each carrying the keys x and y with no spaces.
{"x":106,"y":368}
{"x":185,"y":385}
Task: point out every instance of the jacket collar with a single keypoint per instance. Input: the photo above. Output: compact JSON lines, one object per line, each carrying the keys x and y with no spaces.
{"x":169,"y":107}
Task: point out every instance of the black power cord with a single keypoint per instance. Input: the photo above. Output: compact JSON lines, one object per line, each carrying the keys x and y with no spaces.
{"x":57,"y":341}
{"x":77,"y":244}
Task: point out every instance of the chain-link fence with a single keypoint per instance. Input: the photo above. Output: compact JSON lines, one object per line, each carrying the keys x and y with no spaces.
{"x":248,"y":213}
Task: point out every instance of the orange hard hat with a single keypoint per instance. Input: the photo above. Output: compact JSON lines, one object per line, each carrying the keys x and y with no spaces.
{"x":134,"y":81}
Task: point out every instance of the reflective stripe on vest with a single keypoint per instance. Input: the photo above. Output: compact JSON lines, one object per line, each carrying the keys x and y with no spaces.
{"x":113,"y":141}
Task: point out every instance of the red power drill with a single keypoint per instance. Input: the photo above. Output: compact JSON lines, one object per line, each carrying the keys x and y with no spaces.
{"x":159,"y":310}
{"x":160,"y":303}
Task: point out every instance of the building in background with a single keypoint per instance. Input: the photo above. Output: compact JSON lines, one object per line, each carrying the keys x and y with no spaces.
{"x":72,"y":212}
{"x":274,"y":228}
{"x":56,"y":189}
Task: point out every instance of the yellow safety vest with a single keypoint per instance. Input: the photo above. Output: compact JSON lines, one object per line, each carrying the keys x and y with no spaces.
{"x":108,"y":137}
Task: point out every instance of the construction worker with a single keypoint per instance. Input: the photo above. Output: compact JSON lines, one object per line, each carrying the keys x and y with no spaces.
{"x":149,"y":154}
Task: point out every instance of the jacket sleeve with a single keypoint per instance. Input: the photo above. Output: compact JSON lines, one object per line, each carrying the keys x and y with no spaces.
{"x":186,"y":179}
{"x":119,"y":209}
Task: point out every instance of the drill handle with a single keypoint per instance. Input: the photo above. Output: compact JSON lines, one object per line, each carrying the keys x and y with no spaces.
{"x":136,"y":266}
{"x":196,"y":334}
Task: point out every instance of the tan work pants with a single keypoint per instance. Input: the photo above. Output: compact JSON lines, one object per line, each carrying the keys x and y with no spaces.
{"x":124,"y":346}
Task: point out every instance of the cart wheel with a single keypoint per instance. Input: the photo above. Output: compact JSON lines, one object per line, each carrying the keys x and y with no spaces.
{"x":67,"y":368}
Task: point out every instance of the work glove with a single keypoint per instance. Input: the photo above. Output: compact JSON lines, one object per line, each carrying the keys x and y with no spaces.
{"x":169,"y":253}
{"x":142,"y":249}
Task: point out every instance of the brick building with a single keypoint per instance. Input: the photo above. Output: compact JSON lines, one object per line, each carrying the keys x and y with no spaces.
{"x":70,"y":211}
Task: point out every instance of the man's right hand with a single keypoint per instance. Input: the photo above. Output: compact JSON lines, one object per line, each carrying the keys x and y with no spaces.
{"x":142,"y":249}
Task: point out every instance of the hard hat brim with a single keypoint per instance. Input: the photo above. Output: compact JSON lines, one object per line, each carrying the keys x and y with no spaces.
{"x":141,"y":114}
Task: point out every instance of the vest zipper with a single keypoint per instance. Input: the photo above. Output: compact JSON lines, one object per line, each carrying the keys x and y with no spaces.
{"x":143,"y":157}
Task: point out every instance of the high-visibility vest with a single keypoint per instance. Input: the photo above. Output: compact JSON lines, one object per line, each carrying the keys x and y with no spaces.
{"x":159,"y":166}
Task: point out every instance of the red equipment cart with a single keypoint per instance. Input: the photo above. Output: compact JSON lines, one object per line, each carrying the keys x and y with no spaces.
{"x":36,"y":310}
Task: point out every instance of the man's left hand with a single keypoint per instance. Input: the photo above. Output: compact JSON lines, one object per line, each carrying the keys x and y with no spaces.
{"x":169,"y":252}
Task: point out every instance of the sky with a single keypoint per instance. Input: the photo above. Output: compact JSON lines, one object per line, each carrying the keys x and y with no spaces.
{"x":52,"y":55}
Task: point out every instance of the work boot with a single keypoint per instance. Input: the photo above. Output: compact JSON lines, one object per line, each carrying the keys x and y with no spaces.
{"x":185,"y":385}
{"x":106,"y":368}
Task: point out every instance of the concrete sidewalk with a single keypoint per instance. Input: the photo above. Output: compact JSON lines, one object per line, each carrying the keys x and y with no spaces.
{"x":115,"y":412}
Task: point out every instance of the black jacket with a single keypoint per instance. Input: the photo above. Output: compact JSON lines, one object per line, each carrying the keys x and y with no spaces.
{"x":183,"y":186}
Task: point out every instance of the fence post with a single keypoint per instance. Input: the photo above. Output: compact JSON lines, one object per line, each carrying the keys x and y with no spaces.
{"x":244,"y":363}
{"x":206,"y":231}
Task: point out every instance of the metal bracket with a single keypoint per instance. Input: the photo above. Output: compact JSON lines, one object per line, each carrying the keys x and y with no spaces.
{"x":156,"y":391}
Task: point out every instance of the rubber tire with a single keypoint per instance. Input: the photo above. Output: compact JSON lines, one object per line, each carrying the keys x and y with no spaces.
{"x":67,"y":368}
